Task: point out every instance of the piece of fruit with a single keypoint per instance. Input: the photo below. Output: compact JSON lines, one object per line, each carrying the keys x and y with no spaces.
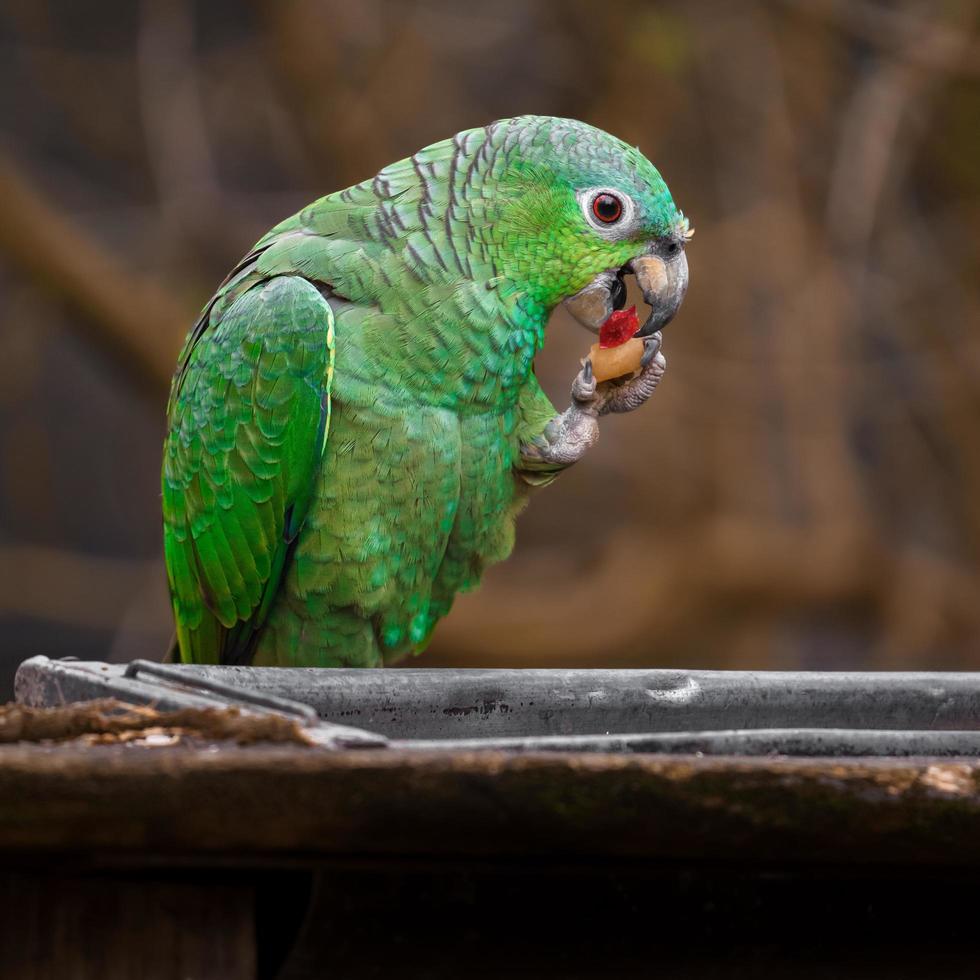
{"x":618,"y":328}
{"x":614,"y":362}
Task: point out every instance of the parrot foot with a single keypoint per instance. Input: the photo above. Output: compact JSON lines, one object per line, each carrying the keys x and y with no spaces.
{"x":626,"y":394}
{"x":567,"y":437}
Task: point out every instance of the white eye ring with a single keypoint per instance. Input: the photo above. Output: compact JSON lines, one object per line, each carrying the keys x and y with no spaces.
{"x":607,"y":227}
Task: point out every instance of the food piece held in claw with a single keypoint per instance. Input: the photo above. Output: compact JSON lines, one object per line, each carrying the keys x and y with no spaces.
{"x":617,"y":352}
{"x":614,"y":362}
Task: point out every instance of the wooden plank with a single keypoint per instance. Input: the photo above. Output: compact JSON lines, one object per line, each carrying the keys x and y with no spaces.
{"x":289,"y":801}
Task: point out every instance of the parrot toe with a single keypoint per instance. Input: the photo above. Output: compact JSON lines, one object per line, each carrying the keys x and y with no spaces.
{"x":584,"y":385}
{"x":651,"y":347}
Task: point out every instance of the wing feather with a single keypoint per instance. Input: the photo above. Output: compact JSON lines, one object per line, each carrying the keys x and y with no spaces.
{"x":247,"y":429}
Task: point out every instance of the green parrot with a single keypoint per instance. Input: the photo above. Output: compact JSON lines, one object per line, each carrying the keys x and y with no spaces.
{"x":355,"y":422}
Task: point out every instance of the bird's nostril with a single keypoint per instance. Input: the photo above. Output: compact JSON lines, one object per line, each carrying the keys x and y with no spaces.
{"x":618,"y":294}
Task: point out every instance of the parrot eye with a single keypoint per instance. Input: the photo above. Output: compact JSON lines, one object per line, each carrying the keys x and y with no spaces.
{"x":607,"y":208}
{"x":609,"y":211}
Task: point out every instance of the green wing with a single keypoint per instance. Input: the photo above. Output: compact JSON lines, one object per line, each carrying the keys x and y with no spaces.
{"x":248,"y":420}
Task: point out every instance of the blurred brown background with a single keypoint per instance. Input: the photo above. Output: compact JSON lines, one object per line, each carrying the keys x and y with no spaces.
{"x":803,"y":490}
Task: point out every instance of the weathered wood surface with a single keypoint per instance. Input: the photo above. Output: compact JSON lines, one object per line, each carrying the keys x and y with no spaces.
{"x":288,"y":801}
{"x":128,"y":861}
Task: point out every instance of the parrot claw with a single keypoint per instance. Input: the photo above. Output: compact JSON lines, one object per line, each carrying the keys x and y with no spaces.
{"x":584,"y":385}
{"x":625,"y":396}
{"x":651,"y":347}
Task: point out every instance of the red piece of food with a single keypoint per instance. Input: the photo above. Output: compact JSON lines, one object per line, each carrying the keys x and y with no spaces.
{"x":620,"y":326}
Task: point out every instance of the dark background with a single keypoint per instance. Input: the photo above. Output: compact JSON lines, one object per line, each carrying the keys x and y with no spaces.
{"x":803,"y":490}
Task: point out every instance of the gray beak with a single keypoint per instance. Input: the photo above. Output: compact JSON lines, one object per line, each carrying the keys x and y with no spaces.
{"x":593,"y":305}
{"x":663,"y":281}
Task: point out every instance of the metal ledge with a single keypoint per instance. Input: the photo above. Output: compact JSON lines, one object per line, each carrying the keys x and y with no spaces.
{"x":741,"y":713}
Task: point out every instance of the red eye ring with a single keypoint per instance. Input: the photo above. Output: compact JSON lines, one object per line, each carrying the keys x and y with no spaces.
{"x":607,"y":208}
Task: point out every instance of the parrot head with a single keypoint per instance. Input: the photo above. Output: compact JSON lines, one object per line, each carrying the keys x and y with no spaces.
{"x":579,"y":211}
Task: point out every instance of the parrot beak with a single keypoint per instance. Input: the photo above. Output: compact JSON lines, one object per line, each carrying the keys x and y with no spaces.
{"x":661,"y":275}
{"x":594,"y":304}
{"x":663,"y":281}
